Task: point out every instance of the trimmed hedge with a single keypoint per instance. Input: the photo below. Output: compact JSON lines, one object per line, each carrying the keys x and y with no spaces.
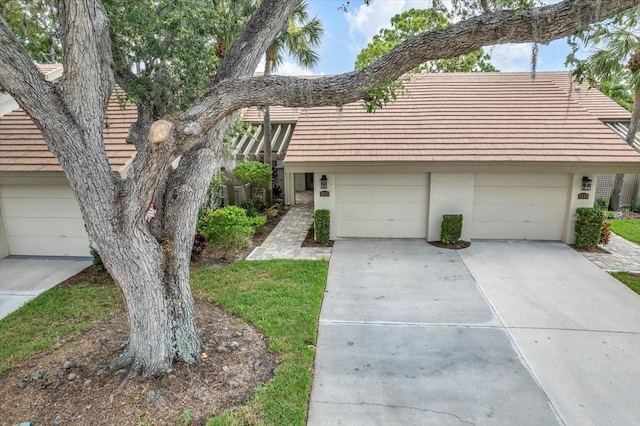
{"x":451,"y":229}
{"x":588,"y":228}
{"x":322,"y":225}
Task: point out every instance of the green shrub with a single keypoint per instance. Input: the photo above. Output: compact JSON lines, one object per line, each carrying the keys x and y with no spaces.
{"x":229,"y":228}
{"x":588,"y":228}
{"x":635,"y":207}
{"x":451,"y":229}
{"x":601,"y":203}
{"x":322,"y":225}
{"x":253,"y":172}
{"x":254,"y":206}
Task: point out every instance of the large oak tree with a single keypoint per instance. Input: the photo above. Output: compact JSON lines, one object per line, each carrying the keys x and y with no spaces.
{"x":151,"y":263}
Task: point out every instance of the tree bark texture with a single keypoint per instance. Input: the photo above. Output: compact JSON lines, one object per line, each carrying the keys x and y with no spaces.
{"x":618,"y":181}
{"x":150,"y":263}
{"x":268,"y":135}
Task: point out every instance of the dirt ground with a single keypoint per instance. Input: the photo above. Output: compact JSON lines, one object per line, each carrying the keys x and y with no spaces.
{"x":68,"y":383}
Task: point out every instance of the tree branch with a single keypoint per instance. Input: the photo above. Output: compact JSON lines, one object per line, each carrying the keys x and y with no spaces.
{"x":88,"y":65}
{"x":264,"y":26}
{"x":20,"y":77}
{"x":535,"y":25}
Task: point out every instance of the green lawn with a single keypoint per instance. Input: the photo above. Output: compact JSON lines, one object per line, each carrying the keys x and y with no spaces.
{"x":282,"y":298}
{"x":42,"y":321}
{"x":630,"y":280}
{"x":627,"y":228}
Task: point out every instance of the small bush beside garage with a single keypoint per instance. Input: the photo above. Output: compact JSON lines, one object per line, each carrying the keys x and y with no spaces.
{"x":588,"y":228}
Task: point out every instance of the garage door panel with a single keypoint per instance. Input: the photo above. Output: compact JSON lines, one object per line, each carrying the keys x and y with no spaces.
{"x":380,"y":211}
{"x":374,"y":229}
{"x":42,"y":220}
{"x":40,"y":207}
{"x":33,"y":191}
{"x":522,"y":180}
{"x":521,"y":214}
{"x":517,"y":231}
{"x":520,"y":196}
{"x":519,"y":206}
{"x":48,"y":246}
{"x":373,"y":179}
{"x":373,"y":194}
{"x":53,"y":227}
{"x":382,"y":205}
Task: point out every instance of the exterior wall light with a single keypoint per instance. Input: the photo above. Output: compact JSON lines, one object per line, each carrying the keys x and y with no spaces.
{"x":323,"y":182}
{"x":586,"y":183}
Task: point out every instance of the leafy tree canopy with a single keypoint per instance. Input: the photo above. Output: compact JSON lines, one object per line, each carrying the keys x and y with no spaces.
{"x":411,"y":23}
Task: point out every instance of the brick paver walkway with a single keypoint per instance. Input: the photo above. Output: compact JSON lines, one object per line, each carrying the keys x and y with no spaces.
{"x":285,"y":240}
{"x":623,"y":255}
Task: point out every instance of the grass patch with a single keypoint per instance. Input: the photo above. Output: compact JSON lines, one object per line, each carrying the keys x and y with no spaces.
{"x":628,"y":229}
{"x":282,"y":298}
{"x":630,"y":280}
{"x":42,"y":321}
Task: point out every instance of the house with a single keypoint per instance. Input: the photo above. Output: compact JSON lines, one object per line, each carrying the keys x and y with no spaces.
{"x":39,"y":215}
{"x":515,"y":155}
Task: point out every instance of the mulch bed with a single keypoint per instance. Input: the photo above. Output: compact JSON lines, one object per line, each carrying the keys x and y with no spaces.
{"x":68,"y":384}
{"x":590,"y":250}
{"x":456,"y":246}
{"x":309,"y":240}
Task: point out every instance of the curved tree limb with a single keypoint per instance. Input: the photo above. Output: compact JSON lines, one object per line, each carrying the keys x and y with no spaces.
{"x":540,"y":25}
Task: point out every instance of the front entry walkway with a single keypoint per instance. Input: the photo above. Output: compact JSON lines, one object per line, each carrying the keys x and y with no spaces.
{"x":623,"y":256}
{"x":286,"y":239}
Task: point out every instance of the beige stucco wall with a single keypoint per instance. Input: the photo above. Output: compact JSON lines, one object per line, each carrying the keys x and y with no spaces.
{"x":326,"y":203}
{"x":573,"y":203}
{"x":450,"y":193}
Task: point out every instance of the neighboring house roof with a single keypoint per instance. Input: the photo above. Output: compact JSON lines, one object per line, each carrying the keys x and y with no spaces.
{"x":23,"y":149}
{"x":469,"y":117}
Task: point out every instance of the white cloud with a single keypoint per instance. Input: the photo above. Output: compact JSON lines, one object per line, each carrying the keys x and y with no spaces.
{"x":366,"y":21}
{"x":512,"y":57}
{"x":288,"y":68}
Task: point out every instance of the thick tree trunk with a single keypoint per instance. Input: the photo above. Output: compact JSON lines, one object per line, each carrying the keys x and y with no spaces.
{"x":618,"y":181}
{"x":268,"y":195}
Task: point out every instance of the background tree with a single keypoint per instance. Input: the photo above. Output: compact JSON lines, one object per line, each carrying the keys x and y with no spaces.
{"x":411,"y":23}
{"x":33,"y":22}
{"x":299,"y":40}
{"x":150,"y":264}
{"x":614,"y":65}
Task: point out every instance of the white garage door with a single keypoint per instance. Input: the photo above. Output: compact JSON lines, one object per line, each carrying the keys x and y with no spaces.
{"x":519,"y":206}
{"x":382,"y":205}
{"x":42,"y":220}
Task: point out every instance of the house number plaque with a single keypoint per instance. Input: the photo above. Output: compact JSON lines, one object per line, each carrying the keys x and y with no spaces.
{"x":324,"y":193}
{"x":583,"y":196}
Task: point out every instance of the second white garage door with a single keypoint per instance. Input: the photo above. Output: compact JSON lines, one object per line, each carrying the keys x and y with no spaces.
{"x":382,"y":205}
{"x":519,"y":206}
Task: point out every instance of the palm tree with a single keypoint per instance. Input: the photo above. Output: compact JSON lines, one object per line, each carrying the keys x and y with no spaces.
{"x":617,"y":59}
{"x":299,"y":40}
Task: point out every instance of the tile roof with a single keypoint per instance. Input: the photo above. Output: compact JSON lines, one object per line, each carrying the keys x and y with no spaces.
{"x":480,"y":117}
{"x":23,"y":149}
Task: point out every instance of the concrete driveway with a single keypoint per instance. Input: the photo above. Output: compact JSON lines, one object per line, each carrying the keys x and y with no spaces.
{"x":22,"y":279}
{"x":500,"y":333}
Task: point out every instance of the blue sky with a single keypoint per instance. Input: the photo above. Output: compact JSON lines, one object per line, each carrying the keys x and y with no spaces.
{"x":347,"y":33}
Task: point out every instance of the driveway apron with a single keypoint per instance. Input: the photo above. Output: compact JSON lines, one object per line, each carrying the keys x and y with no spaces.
{"x":577,"y":327}
{"x":407,"y":338}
